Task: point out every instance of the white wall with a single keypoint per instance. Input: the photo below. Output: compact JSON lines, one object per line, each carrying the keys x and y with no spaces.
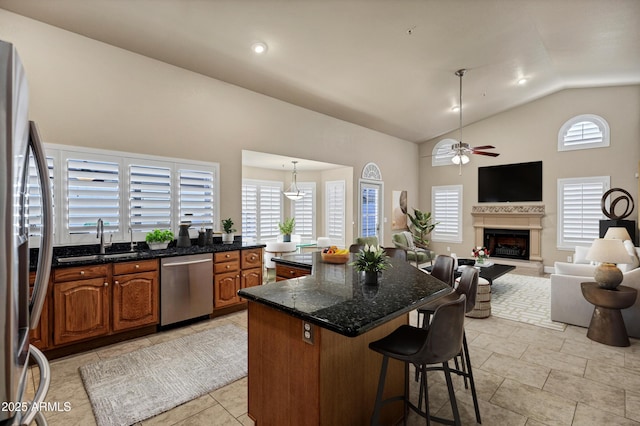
{"x":87,"y":93}
{"x":529,"y":133}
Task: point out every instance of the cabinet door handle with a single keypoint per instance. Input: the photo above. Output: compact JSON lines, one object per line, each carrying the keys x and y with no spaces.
{"x":137,"y":266}
{"x":115,"y":282}
{"x":106,"y":284}
{"x":81,"y":272}
{"x":227,"y":255}
{"x":228,"y":266}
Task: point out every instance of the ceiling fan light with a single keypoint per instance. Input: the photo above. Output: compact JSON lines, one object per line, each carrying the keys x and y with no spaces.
{"x":464,"y":158}
{"x":455,"y":159}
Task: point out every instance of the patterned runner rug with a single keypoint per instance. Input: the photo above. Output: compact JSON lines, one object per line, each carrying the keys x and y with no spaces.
{"x":132,"y":387}
{"x":525,"y":299}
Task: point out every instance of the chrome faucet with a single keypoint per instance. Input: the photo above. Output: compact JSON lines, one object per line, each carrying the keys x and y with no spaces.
{"x":100,"y":234}
{"x":131,"y":232}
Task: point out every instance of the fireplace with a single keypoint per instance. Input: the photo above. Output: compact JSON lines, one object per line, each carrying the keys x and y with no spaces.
{"x":507,"y":243}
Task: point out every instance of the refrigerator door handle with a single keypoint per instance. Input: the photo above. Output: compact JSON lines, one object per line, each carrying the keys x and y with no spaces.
{"x":43,"y":388}
{"x":46,"y":247}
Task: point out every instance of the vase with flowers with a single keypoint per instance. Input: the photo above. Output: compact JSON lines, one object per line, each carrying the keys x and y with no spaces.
{"x":481,"y":254}
{"x":371,"y":260}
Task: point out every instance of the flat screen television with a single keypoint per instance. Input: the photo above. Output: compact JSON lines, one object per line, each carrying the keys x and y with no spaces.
{"x":510,"y":183}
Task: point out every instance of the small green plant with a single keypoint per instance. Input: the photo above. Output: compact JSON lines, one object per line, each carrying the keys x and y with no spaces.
{"x":421,"y":227}
{"x":227,"y":225}
{"x":286,"y":227}
{"x":159,"y":236}
{"x":371,"y":259}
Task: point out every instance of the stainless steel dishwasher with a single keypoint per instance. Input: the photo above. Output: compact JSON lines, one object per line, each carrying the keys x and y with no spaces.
{"x":186,"y":287}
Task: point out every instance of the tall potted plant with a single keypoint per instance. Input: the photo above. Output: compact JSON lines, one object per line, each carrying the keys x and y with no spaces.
{"x":286,"y":228}
{"x":421,"y":227}
{"x":227,"y":235}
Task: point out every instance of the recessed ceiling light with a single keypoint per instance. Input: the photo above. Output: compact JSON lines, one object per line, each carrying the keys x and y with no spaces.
{"x":455,"y":108}
{"x":522,"y":81}
{"x":259,"y":47}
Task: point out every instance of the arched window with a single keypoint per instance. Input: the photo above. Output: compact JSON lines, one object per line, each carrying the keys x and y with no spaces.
{"x":442,"y":153}
{"x":583,"y":132}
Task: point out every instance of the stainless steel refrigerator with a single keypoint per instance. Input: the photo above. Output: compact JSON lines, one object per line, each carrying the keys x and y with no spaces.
{"x":20,"y":312}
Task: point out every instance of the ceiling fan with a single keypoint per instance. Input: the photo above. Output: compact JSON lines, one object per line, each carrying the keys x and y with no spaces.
{"x":460,"y":151}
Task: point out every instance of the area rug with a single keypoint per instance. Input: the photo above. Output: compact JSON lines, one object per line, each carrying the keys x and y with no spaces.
{"x":525,"y":299}
{"x":132,"y":387}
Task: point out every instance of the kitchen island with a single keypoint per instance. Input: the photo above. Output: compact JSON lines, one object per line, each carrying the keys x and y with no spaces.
{"x":309,"y":361}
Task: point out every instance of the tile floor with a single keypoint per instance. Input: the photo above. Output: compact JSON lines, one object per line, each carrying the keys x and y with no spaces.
{"x":525,"y":375}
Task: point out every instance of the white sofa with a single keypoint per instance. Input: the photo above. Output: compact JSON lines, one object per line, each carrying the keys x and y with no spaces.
{"x":568,"y":305}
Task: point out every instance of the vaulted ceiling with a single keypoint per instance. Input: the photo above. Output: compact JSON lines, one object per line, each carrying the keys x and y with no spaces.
{"x":384,"y":64}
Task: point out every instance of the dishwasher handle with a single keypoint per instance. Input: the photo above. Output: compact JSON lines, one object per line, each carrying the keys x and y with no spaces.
{"x":192,"y":262}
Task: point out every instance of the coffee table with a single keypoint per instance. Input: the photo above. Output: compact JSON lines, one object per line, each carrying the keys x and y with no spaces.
{"x":489,"y":273}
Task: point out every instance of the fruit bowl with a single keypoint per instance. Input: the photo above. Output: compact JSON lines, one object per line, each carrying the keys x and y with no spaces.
{"x":335,"y":258}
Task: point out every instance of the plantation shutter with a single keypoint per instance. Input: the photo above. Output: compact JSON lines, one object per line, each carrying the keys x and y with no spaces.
{"x":270,"y":206}
{"x":304,"y":211}
{"x":196,"y":197}
{"x":335,"y":221}
{"x":34,"y":206}
{"x":249,"y":210}
{"x":149,"y":197}
{"x":446,"y":211}
{"x":580,"y":210}
{"x":93,"y":192}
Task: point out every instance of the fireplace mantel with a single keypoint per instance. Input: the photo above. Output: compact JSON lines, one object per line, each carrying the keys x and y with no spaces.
{"x":511,"y":217}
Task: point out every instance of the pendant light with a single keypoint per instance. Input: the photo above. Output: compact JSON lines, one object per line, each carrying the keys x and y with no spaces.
{"x":460,"y":157}
{"x":294,"y":193}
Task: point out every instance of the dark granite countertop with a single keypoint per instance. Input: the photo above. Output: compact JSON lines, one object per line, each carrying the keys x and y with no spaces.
{"x":334,"y":296}
{"x":141,"y":252}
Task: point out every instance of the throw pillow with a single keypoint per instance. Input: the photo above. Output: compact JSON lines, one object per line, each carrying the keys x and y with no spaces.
{"x":409,"y":237}
{"x":580,"y":256}
{"x":631,"y":250}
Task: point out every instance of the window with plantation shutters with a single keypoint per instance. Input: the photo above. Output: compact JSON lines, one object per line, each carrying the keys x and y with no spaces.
{"x":196,"y":197}
{"x":579,"y":210}
{"x":93,"y":192}
{"x":303,"y":211}
{"x":149,"y":197}
{"x":446,"y":211}
{"x":441,"y":154}
{"x":583,"y":132}
{"x":261,"y":209}
{"x":334,"y":215}
{"x":34,"y":206}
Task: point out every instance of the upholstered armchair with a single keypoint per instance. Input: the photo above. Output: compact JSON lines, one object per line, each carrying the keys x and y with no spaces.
{"x":404,"y":240}
{"x":372,"y":241}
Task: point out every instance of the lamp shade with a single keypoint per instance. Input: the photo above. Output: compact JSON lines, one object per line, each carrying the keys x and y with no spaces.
{"x":617,"y":233}
{"x":608,"y":251}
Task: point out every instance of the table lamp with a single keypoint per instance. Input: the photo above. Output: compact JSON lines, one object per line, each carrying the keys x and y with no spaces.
{"x":617,"y":233}
{"x":608,"y":252}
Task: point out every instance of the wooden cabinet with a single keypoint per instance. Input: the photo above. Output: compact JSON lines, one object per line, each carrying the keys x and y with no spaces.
{"x":286,"y":272}
{"x":234,"y":270}
{"x":251,"y":268}
{"x":135,"y":294}
{"x":39,"y":336}
{"x":80,"y":303}
{"x":226,"y":278}
{"x":98,"y":300}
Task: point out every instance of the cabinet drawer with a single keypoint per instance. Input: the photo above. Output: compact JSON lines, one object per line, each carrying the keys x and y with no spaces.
{"x":222,"y":267}
{"x":226,"y":256}
{"x":136,"y":266}
{"x":251,"y":258}
{"x":80,"y":272}
{"x":287,"y":272}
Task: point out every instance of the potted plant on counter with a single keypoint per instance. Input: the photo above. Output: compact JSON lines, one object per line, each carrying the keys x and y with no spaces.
{"x":371,"y":260}
{"x":227,"y":235}
{"x":286,"y":228}
{"x":159,"y":239}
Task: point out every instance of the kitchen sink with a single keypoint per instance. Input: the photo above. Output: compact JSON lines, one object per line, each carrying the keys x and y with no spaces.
{"x":88,"y":257}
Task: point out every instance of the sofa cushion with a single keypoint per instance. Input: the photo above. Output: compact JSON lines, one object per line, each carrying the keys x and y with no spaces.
{"x":580,"y":256}
{"x":631,"y":250}
{"x":580,"y":270}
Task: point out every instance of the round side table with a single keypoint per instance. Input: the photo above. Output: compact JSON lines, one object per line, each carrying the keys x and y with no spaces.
{"x":607,"y":325}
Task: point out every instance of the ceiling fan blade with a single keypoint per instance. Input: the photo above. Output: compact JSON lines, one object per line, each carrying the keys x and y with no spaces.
{"x":483,"y":147}
{"x":489,"y":154}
